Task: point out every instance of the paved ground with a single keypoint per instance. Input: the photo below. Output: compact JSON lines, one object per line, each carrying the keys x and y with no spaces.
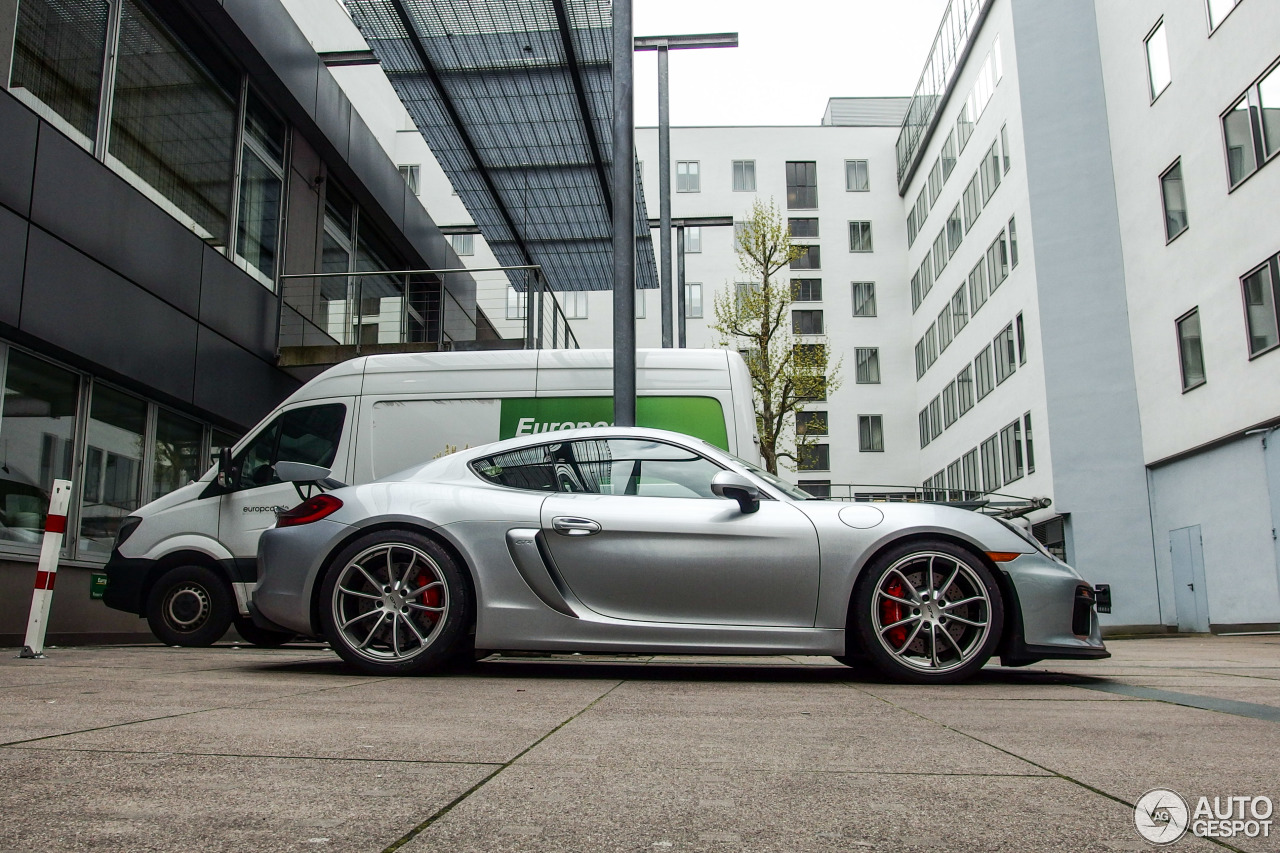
{"x":152,"y":748}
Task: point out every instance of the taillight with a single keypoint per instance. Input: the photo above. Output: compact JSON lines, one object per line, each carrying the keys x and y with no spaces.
{"x":312,"y":509}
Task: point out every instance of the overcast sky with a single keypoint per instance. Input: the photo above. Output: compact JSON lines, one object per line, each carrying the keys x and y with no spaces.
{"x":791,"y":56}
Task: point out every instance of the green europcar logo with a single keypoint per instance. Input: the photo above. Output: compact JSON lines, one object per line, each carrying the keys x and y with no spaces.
{"x":701,"y":417}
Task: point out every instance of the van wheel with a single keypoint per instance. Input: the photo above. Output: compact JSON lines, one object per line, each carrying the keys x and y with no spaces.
{"x":263,"y":637}
{"x":190,"y":606}
{"x":395,"y":603}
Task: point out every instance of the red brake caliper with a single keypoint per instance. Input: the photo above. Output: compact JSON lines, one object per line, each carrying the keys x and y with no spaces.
{"x":430,"y":598}
{"x":891,"y":611}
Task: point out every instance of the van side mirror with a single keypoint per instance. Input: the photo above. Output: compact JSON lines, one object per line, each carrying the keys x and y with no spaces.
{"x":300,"y":472}
{"x":734,"y":486}
{"x":226,"y":476}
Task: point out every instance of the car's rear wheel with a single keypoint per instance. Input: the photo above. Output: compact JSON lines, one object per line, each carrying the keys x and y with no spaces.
{"x":928,"y":612}
{"x":190,"y":606}
{"x":395,"y":603}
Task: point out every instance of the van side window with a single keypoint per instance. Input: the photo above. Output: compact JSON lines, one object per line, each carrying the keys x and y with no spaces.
{"x":309,"y":435}
{"x":603,"y":467}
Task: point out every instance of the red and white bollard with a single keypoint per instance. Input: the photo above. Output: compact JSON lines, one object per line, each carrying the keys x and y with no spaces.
{"x":55,"y":526}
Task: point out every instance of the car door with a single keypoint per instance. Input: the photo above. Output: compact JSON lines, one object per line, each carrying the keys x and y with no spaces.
{"x":635,"y":533}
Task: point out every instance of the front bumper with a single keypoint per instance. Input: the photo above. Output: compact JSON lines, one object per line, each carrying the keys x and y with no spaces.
{"x":127,"y":583}
{"x":1052,"y":613}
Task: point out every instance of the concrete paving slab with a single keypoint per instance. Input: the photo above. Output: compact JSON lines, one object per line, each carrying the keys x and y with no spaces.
{"x":67,"y":800}
{"x":527,"y":808}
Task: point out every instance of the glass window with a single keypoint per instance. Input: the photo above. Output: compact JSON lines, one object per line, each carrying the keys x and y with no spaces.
{"x":950,"y":410}
{"x":517,"y":301}
{"x":806,"y":322}
{"x":810,"y":259}
{"x":935,"y":417}
{"x":412,"y":175}
{"x":856,"y":178}
{"x":922,"y":207}
{"x":978,"y":286}
{"x":964,"y":126}
{"x":997,"y":262}
{"x":860,"y":237}
{"x":806,"y":290}
{"x":1189,"y":352}
{"x":803,"y":227}
{"x":687,"y":178}
{"x":1242,"y":160}
{"x":1013,"y":243}
{"x":802,"y":185}
{"x":972,"y":201}
{"x":179,"y":453}
{"x":864,"y":298}
{"x":935,"y":182}
{"x":945,"y":330}
{"x":464,"y":244}
{"x":922,"y":424}
{"x":309,"y":435}
{"x":868,"y":365}
{"x":1175,"y":202}
{"x":955,"y":231}
{"x":605,"y":467}
{"x":37,"y":438}
{"x":1269,"y":109}
{"x":969,"y":471}
{"x":1026,"y":433}
{"x":870,"y":434}
{"x":813,"y":457}
{"x":112,"y":480}
{"x":916,"y":294}
{"x":948,"y":155}
{"x":1004,"y":148}
{"x":990,"y":172}
{"x":57,"y":58}
{"x":1219,"y":9}
{"x":959,"y":310}
{"x":693,"y":300}
{"x":930,"y":345}
{"x":912,"y":230}
{"x":261,"y":189}
{"x":575,"y":304}
{"x":964,"y":388}
{"x":991,"y":464}
{"x":173,"y":120}
{"x":1022,"y":340}
{"x":940,"y":255}
{"x":1006,"y":354}
{"x":985,"y":379}
{"x":744,"y":176}
{"x":811,"y":423}
{"x":1260,"y":309}
{"x":819,"y":489}
{"x":693,"y":240}
{"x":1011,"y":451}
{"x":1158,"y":61}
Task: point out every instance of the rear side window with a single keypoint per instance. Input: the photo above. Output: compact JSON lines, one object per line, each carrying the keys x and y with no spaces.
{"x":603,"y":467}
{"x":310,"y":435}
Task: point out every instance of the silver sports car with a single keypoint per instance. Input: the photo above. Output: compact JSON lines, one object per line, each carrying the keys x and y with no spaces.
{"x":638,"y":540}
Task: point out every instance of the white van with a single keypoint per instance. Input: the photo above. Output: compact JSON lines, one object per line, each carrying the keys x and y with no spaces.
{"x":188,"y":561}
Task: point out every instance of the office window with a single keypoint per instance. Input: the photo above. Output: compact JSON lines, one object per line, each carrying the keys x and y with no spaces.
{"x":802,"y":185}
{"x":811,"y":259}
{"x":860,"y":237}
{"x":921,"y":366}
{"x":1022,"y":340}
{"x":984,"y":377}
{"x":1269,"y":111}
{"x":856,"y":178}
{"x":969,"y":473}
{"x":864,"y":298}
{"x":693,"y":240}
{"x":1237,"y":131}
{"x":517,"y":303}
{"x":868,"y":365}
{"x":935,"y":417}
{"x":870,"y":434}
{"x":411,"y":173}
{"x":803,"y":227}
{"x":945,"y":330}
{"x":1219,"y":9}
{"x":950,"y":404}
{"x":688,"y":179}
{"x":959,"y":310}
{"x":57,"y":59}
{"x":940,"y":255}
{"x":990,"y":171}
{"x":1006,"y":354}
{"x":964,"y":126}
{"x":261,"y":189}
{"x":935,"y":182}
{"x":955,"y":231}
{"x":972,"y":201}
{"x":1260,"y":309}
{"x":964,"y":389}
{"x":991,"y":464}
{"x":807,"y":322}
{"x":811,"y":423}
{"x":739,"y":233}
{"x":922,"y":207}
{"x":574,"y":304}
{"x":997,"y":262}
{"x":922,"y":424}
{"x":916,"y":295}
{"x":1174,"y":200}
{"x":820,"y":489}
{"x":912,"y":231}
{"x":113,"y":467}
{"x":926,"y":277}
{"x":1189,"y":352}
{"x":464,"y":244}
{"x":1013,"y":243}
{"x":1004,"y":148}
{"x":948,"y":156}
{"x":693,"y":300}
{"x":1011,"y":451}
{"x":641,"y":303}
{"x":806,"y":290}
{"x":1158,"y":61}
{"x":1026,"y":437}
{"x":931,"y":344}
{"x":178,"y":456}
{"x":978,"y":286}
{"x":813,"y":457}
{"x":744,"y":176}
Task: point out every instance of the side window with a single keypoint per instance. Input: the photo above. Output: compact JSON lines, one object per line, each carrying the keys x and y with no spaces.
{"x":603,"y":467}
{"x":309,"y":435}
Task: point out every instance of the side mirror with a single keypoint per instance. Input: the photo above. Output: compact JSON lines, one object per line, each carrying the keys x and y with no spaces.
{"x":300,"y":472}
{"x":734,"y":486}
{"x":225,"y":475}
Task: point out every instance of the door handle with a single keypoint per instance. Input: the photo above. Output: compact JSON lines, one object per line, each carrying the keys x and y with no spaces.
{"x":569,"y":526}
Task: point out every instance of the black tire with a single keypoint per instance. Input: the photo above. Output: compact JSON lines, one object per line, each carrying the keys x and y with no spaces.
{"x":263,"y":637}
{"x":942,"y":635}
{"x":418,"y":614}
{"x":190,"y":606}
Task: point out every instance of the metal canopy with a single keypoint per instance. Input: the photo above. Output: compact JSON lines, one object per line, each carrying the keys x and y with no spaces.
{"x":514,"y":98}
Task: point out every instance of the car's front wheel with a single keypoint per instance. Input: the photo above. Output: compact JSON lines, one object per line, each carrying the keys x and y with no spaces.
{"x":190,"y":606}
{"x":395,"y":603}
{"x":928,"y":612}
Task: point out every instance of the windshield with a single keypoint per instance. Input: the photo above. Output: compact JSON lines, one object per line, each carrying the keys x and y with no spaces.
{"x":791,"y":491}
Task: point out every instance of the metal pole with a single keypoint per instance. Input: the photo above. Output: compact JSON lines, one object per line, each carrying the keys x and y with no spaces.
{"x":664,"y":184}
{"x":624,"y":222}
{"x":680,"y":292}
{"x":528,"y":310}
{"x":542,"y":308}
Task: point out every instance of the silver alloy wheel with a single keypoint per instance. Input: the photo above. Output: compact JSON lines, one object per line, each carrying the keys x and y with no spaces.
{"x":390,"y":602}
{"x":932,"y":612}
{"x":186,"y":607}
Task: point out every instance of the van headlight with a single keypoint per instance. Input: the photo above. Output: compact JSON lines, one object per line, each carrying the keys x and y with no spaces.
{"x":126,"y":529}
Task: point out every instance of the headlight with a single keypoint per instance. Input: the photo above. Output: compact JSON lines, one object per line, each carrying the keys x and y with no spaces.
{"x":1028,"y":538}
{"x":126,"y":529}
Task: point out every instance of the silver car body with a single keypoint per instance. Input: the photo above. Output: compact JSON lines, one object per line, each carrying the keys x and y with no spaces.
{"x":660,"y":574}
